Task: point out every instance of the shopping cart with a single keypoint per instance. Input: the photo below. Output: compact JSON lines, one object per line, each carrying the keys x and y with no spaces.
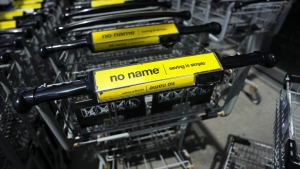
{"x":286,"y":125}
{"x":245,"y":153}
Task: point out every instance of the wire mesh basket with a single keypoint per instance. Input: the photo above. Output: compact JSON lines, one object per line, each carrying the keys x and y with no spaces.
{"x":286,"y":125}
{"x":245,"y":153}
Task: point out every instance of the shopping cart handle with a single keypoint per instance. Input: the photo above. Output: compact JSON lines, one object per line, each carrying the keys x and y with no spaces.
{"x":4,"y":58}
{"x":46,"y":50}
{"x":120,"y":17}
{"x":291,"y":78}
{"x":11,"y":43}
{"x":17,"y":31}
{"x":25,"y":99}
{"x":263,"y":58}
{"x":110,"y":8}
{"x":88,"y":5}
{"x":213,"y":27}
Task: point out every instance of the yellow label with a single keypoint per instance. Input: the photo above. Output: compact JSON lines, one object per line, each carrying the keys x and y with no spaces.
{"x":106,"y":40}
{"x":147,"y":88}
{"x":29,"y":6}
{"x":127,"y":43}
{"x":10,"y":15}
{"x":95,"y":4}
{"x":7,"y":24}
{"x":137,"y":79}
{"x":26,"y":2}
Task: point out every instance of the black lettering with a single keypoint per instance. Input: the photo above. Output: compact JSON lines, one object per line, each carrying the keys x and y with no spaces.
{"x":129,"y":75}
{"x":138,"y":74}
{"x":113,"y":78}
{"x":121,"y":77}
{"x":156,"y":71}
{"x":106,"y":36}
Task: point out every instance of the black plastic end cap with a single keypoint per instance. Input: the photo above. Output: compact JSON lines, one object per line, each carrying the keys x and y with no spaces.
{"x":43,"y":53}
{"x":20,"y":104}
{"x":4,"y":58}
{"x":186,"y":15}
{"x":270,"y":60}
{"x":215,"y":28}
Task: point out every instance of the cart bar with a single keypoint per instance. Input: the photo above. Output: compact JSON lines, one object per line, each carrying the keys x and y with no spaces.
{"x":25,"y":99}
{"x":240,"y":4}
{"x":121,"y":17}
{"x":11,"y":43}
{"x":108,"y":4}
{"x":26,"y":32}
{"x":118,"y":7}
{"x":130,"y":37}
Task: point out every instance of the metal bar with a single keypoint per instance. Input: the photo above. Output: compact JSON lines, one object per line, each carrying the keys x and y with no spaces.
{"x":47,"y":115}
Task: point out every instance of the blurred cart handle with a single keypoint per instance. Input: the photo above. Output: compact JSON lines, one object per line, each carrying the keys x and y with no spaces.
{"x":168,"y":36}
{"x":121,"y":17}
{"x":118,"y":7}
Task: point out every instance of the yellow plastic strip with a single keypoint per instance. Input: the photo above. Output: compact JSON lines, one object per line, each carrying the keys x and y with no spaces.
{"x":15,"y":3}
{"x":137,"y":79}
{"x":8,"y":24}
{"x":137,"y":36}
{"x":95,"y":4}
{"x":5,"y":16}
{"x":29,"y":6}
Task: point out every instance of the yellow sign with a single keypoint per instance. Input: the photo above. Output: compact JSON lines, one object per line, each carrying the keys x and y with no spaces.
{"x":95,"y":4}
{"x":26,"y":2}
{"x":10,"y":15}
{"x":154,"y":76}
{"x":137,"y":36}
{"x":29,"y":6}
{"x":147,"y":88}
{"x":8,"y":24}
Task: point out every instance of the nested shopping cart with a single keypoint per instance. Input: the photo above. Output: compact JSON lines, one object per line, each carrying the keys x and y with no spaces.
{"x":286,"y":126}
{"x":136,"y":124}
{"x":245,"y":153}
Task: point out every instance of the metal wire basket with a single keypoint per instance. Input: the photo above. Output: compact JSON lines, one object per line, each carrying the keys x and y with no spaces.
{"x":245,"y":153}
{"x":286,"y":138}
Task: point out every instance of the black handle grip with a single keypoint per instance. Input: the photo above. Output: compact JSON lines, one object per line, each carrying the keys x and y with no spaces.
{"x":11,"y":43}
{"x":213,"y":27}
{"x":25,"y":99}
{"x":132,"y":5}
{"x":121,"y":17}
{"x":4,"y":58}
{"x":46,"y":50}
{"x":17,"y":31}
{"x":240,"y":4}
{"x":263,"y":58}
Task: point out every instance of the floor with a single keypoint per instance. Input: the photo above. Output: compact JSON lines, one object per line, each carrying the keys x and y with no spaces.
{"x":206,"y":140}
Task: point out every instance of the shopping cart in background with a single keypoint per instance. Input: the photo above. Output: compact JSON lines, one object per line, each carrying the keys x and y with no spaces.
{"x":245,"y":153}
{"x":243,"y":25}
{"x":286,"y":140}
